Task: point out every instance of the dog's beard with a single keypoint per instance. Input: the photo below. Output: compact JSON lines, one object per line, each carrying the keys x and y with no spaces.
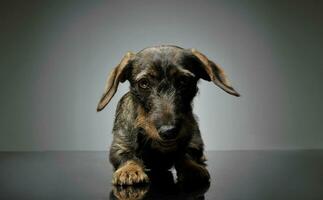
{"x":165,"y":145}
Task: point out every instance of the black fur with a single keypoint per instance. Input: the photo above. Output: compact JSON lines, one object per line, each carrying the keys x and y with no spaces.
{"x":154,"y":126}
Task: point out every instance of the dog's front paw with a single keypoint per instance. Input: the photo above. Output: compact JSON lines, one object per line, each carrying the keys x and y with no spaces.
{"x":192,"y":172}
{"x":130,"y":192}
{"x":130,"y":173}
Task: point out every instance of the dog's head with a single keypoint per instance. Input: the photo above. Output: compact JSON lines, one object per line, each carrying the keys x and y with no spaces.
{"x":164,"y":80}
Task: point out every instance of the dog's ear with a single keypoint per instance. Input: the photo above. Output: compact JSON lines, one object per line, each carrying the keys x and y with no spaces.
{"x":117,"y":75}
{"x":215,"y":73}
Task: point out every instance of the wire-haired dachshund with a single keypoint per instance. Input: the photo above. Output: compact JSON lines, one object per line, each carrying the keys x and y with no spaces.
{"x":155,"y":128}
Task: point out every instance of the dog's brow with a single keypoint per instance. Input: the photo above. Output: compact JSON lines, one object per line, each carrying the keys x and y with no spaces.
{"x":186,"y":72}
{"x":143,"y":74}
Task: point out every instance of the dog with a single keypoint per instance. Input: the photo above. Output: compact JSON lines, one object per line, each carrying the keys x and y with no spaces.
{"x":154,"y":127}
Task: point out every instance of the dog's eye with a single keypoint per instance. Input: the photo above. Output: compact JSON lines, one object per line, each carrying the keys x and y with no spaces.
{"x":183,"y":81}
{"x":143,"y":83}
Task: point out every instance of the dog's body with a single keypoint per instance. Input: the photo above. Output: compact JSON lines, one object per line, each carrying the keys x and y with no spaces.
{"x":154,"y":126}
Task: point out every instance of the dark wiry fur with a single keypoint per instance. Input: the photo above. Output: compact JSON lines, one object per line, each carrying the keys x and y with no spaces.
{"x":171,"y":74}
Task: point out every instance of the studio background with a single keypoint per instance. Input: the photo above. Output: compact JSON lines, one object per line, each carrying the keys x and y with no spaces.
{"x":55,"y":56}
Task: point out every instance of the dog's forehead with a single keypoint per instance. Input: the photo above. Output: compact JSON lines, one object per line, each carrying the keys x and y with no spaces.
{"x":162,"y":56}
{"x":157,"y":60}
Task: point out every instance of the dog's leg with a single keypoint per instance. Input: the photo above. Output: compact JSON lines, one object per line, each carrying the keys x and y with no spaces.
{"x":191,"y":171}
{"x":129,"y":168}
{"x":191,"y":167}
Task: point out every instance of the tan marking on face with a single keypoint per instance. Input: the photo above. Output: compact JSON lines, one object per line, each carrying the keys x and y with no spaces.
{"x":141,"y":75}
{"x":186,"y":72}
{"x":143,"y":121}
{"x":148,"y":71}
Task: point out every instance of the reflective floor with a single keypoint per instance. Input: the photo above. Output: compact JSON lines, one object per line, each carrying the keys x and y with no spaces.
{"x":235,"y":175}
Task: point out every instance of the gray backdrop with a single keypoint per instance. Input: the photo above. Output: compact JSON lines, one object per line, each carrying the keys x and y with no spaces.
{"x":55,"y":56}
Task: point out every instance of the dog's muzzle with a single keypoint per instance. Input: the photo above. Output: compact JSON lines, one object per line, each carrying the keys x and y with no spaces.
{"x":168,"y":132}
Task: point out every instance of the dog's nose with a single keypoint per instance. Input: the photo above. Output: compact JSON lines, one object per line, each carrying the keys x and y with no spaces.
{"x":167,"y":132}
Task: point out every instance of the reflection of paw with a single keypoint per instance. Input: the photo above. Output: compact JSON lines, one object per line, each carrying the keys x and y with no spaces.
{"x":129,"y":192}
{"x":192,"y":172}
{"x":130,"y":173}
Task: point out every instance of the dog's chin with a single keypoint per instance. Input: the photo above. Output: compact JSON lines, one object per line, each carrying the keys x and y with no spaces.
{"x":165,"y":145}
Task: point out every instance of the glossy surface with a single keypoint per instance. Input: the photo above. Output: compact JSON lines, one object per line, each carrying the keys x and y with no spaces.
{"x":235,"y":175}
